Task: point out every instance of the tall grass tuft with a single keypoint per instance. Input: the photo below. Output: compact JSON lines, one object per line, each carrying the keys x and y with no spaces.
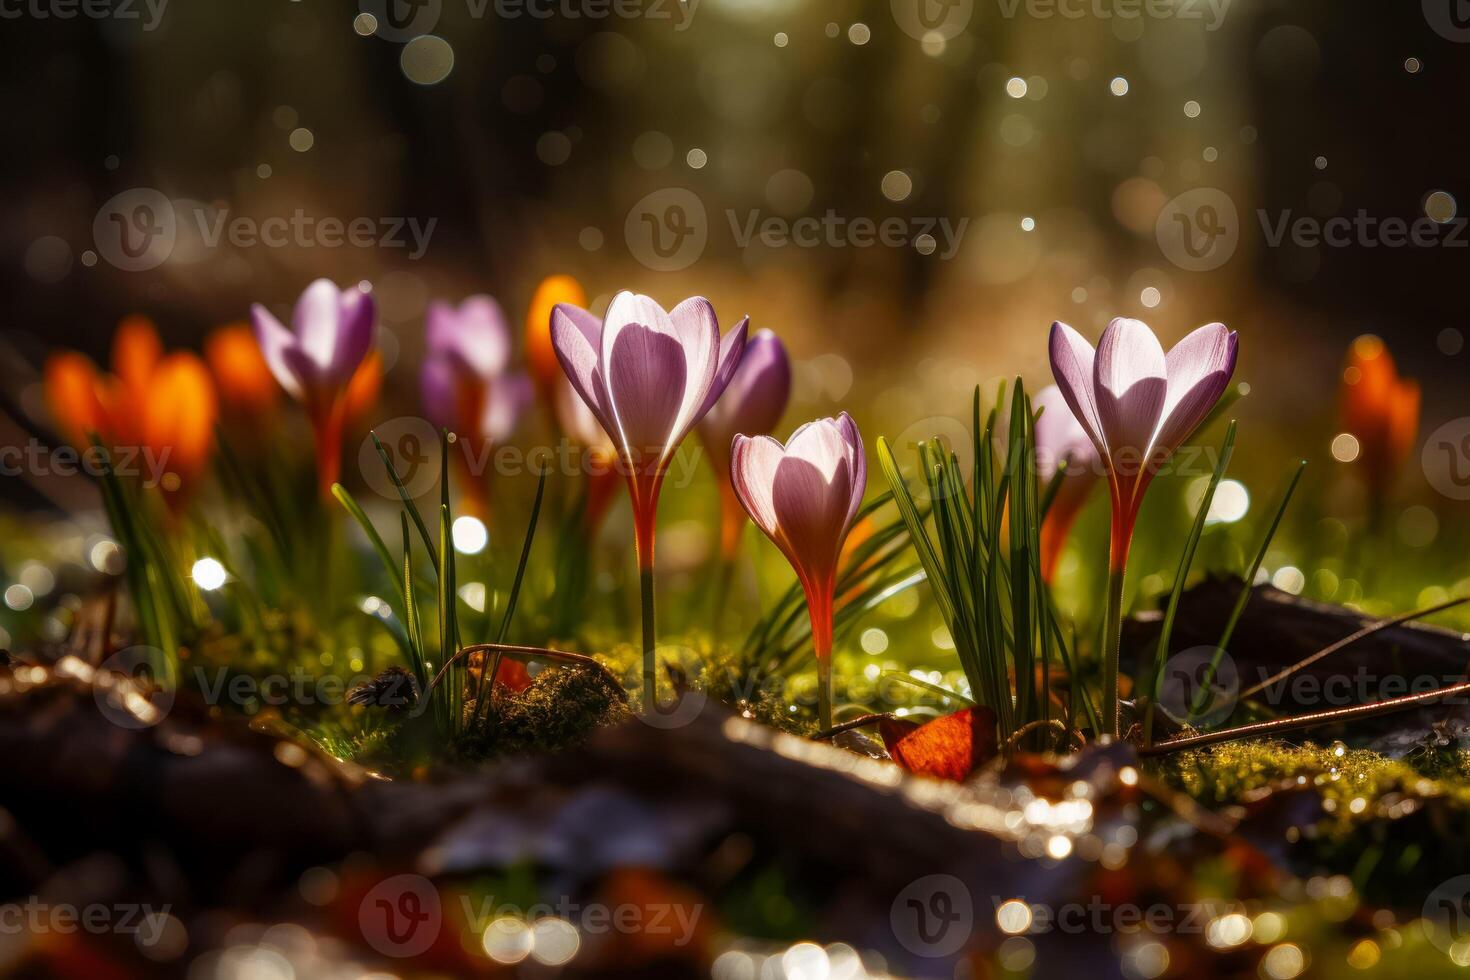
{"x":979,"y":548}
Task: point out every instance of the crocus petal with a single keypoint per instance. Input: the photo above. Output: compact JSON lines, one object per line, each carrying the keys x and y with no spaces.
{"x":1130,"y":386}
{"x":753,"y":463}
{"x":441,"y":327}
{"x":755,"y":398}
{"x":439,"y":389}
{"x":579,"y":422}
{"x":136,"y":351}
{"x":859,"y":459}
{"x":1072,"y":360}
{"x":505,"y":399}
{"x":354,"y":335}
{"x":275,"y":340}
{"x":177,"y":417}
{"x":1199,"y":368}
{"x":813,"y":493}
{"x":1060,"y":437}
{"x":73,"y":394}
{"x":241,"y":376}
{"x":362,"y":391}
{"x":732,"y":355}
{"x":576,"y":336}
{"x":658,"y":370}
{"x":540,"y":353}
{"x":753,"y":401}
{"x":316,"y":320}
{"x":647,"y":386}
{"x":478,"y":335}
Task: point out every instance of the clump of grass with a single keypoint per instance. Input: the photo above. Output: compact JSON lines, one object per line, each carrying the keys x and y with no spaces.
{"x":459,"y":702}
{"x":982,"y":563}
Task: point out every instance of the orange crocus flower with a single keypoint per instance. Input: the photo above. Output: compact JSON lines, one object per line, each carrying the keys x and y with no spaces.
{"x":541,"y":359}
{"x":243,"y":378}
{"x":1381,"y":410}
{"x":160,"y":404}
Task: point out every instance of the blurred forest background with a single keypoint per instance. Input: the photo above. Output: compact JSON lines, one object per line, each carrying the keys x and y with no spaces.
{"x":532,"y":148}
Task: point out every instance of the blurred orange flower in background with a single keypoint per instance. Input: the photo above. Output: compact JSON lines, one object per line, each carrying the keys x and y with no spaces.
{"x":243,"y":378}
{"x":541,"y":359}
{"x":1379,"y":409}
{"x":161,"y":404}
{"x":363,"y":388}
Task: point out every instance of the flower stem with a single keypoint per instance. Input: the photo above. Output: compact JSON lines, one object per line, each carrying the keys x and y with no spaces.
{"x":328,"y":431}
{"x":819,"y":606}
{"x":645,"y":519}
{"x":650,"y":685}
{"x":824,"y":692}
{"x":1112,"y":641}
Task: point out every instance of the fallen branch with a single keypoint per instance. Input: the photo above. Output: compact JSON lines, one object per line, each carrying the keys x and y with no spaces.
{"x":1278,"y":726}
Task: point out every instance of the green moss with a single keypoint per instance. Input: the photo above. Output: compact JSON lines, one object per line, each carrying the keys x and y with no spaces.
{"x":561,"y":709}
{"x":1356,"y":785}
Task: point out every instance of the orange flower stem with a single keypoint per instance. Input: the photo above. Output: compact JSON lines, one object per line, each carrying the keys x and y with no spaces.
{"x":819,"y":606}
{"x":1121,"y":539}
{"x":645,"y":513}
{"x":327,"y":426}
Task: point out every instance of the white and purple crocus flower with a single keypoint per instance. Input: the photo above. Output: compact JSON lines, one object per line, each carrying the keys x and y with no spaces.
{"x":331,"y":332}
{"x":466,"y":383}
{"x":805,"y":496}
{"x":1137,"y":404}
{"x":649,"y":375}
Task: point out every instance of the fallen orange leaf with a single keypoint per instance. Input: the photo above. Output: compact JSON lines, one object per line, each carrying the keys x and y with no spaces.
{"x":950,"y":747}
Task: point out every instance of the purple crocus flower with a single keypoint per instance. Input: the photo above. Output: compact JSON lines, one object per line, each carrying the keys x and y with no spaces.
{"x":331,"y":332}
{"x":1138,"y":405}
{"x":649,"y":375}
{"x":805,"y":496}
{"x":753,"y":403}
{"x":465,"y":380}
{"x":467,"y":387}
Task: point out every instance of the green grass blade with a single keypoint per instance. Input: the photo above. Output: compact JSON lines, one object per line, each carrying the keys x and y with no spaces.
{"x":1248,"y":585}
{"x":1161,"y":655}
{"x":408,"y":503}
{"x":355,"y":509}
{"x":515,"y":589}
